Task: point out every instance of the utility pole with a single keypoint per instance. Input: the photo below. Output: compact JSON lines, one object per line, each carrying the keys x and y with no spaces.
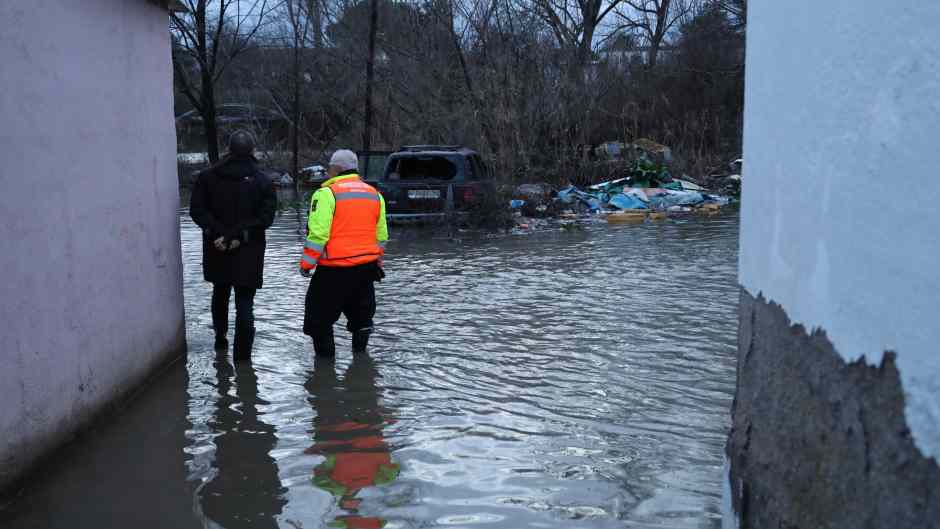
{"x":370,"y":77}
{"x":295,"y":130}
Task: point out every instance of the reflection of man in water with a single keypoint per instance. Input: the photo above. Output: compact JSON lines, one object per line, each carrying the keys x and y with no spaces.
{"x":349,"y":433}
{"x":246,"y":492}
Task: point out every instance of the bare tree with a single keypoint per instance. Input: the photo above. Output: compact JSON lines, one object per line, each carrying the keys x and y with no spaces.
{"x":207,"y":40}
{"x":518,"y":79}
{"x":575,"y":24}
{"x":653,"y":20}
{"x":479,"y":21}
{"x":304,"y":18}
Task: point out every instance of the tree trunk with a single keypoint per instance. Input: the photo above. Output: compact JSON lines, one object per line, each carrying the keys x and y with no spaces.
{"x":654,"y":53}
{"x":581,"y":108}
{"x":210,"y":124}
{"x":659,"y":32}
{"x":295,"y":130}
{"x":315,"y":12}
{"x":207,"y":85}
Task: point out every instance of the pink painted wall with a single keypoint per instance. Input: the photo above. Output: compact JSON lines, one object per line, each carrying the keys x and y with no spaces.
{"x":90,"y":298}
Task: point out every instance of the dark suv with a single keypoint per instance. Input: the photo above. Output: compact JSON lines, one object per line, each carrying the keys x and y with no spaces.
{"x":423,"y":182}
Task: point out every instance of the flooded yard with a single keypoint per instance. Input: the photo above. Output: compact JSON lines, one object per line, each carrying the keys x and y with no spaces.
{"x":563,"y":378}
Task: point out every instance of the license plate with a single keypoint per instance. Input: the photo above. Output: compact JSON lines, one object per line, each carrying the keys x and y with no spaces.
{"x":425,"y":194}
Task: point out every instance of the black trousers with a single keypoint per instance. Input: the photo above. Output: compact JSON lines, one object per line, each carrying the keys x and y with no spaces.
{"x":244,"y":308}
{"x":334,"y":291}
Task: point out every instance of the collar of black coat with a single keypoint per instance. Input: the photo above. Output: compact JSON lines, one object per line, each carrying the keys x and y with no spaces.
{"x":349,"y":172}
{"x":236,"y":168}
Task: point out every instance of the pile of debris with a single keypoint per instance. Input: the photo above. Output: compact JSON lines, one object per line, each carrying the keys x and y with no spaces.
{"x":646,"y":191}
{"x":728,"y":183}
{"x":624,"y":201}
{"x":646,"y":185}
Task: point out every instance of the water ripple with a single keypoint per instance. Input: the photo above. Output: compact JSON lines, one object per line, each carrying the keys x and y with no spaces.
{"x":555,"y":379}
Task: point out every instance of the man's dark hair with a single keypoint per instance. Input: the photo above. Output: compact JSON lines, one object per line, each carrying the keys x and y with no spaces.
{"x":241,"y":144}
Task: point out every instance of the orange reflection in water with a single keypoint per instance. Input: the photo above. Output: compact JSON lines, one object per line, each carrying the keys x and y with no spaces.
{"x":349,"y":433}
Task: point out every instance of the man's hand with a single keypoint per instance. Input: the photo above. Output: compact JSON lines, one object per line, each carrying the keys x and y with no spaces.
{"x":220,"y":244}
{"x":379,"y":270}
{"x":305,"y":273}
{"x":234,"y":244}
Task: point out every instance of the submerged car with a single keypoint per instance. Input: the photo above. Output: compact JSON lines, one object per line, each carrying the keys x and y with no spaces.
{"x":424,"y":182}
{"x":314,"y":173}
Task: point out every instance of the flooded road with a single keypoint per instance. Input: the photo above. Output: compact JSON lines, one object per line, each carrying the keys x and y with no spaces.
{"x":567,"y":378}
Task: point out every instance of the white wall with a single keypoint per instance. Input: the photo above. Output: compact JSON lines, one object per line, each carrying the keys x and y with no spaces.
{"x":841,"y":203}
{"x":90,"y":260}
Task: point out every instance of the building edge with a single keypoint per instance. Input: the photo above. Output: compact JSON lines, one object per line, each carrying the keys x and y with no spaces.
{"x":818,"y":441}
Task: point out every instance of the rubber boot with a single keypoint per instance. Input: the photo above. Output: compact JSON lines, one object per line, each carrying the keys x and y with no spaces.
{"x":221,"y":343}
{"x":323,"y":344}
{"x":360,"y":341}
{"x":244,"y":340}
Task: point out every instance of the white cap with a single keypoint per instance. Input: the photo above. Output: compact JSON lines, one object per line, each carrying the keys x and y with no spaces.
{"x":345,"y":160}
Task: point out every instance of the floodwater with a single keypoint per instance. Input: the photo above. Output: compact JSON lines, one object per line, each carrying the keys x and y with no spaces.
{"x":554,"y":379}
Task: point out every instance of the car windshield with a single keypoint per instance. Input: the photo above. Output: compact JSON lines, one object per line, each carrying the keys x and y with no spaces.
{"x":430,"y":167}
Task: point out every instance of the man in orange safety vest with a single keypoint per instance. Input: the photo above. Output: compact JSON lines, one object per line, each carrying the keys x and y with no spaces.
{"x":346,"y":235}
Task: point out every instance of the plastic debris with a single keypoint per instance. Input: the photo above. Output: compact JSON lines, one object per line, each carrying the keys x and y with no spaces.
{"x":624,"y":201}
{"x":572,"y":195}
{"x":685,"y":185}
{"x":646,"y":193}
{"x":638,"y":193}
{"x":627,"y":216}
{"x":532,"y":191}
{"x":676,"y":198}
{"x":709,"y":209}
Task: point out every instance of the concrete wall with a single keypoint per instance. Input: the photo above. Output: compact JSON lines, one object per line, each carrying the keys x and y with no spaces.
{"x":91,"y":291}
{"x":840,"y":231}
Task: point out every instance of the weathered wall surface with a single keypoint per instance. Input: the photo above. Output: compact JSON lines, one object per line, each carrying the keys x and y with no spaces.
{"x":91,"y":291}
{"x":839,"y":228}
{"x":818,"y":441}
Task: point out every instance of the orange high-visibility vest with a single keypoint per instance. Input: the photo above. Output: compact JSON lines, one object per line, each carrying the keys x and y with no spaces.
{"x":352,"y":235}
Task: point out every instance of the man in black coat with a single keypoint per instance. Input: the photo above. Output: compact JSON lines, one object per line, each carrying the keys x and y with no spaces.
{"x":234,"y":203}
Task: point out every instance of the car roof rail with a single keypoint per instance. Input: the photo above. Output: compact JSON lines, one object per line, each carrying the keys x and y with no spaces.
{"x":418,"y":148}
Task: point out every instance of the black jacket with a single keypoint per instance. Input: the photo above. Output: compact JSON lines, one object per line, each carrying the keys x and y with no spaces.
{"x":236,"y":201}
